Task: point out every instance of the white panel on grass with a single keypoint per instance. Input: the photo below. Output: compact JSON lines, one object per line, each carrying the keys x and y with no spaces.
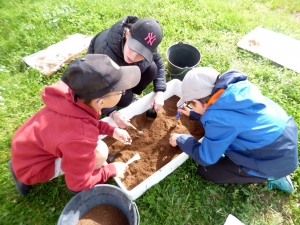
{"x":277,"y":47}
{"x":54,"y":57}
{"x":232,"y":220}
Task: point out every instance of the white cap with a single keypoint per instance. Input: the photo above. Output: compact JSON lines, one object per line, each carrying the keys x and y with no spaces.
{"x":198,"y":83}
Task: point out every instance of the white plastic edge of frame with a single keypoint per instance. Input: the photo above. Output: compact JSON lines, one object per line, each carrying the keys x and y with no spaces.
{"x":137,"y":108}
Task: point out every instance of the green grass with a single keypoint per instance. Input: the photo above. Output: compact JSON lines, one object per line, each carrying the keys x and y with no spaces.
{"x":214,"y":27}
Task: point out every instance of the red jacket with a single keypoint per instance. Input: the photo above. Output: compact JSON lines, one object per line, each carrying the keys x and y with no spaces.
{"x":64,"y":129}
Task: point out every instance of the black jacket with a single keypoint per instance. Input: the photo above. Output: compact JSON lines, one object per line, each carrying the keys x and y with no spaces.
{"x":111,"y":42}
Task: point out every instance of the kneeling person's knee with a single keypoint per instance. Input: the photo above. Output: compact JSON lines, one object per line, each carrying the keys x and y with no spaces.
{"x":101,"y":152}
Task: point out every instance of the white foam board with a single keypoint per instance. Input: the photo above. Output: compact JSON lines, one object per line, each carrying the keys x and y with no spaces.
{"x":54,"y":57}
{"x":137,"y":108}
{"x":277,"y":47}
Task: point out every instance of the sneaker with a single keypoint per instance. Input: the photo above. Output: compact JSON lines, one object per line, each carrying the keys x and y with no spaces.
{"x":22,"y":188}
{"x":284,"y":184}
{"x":73,"y":192}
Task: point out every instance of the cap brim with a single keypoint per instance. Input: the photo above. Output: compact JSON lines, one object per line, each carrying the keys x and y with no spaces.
{"x":131,"y":76}
{"x":140,"y":48}
{"x":180,"y":102}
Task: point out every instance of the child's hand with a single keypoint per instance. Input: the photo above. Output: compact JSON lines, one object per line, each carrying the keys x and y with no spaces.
{"x":120,"y":167}
{"x":173,"y":138}
{"x":122,"y":135}
{"x":185,"y":110}
{"x":120,"y":120}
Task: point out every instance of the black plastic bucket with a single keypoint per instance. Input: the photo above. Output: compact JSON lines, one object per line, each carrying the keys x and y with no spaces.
{"x":181,"y":58}
{"x":99,"y":195}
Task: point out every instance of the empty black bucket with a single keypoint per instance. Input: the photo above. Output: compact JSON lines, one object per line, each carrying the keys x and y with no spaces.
{"x":181,"y":58}
{"x":98,"y":195}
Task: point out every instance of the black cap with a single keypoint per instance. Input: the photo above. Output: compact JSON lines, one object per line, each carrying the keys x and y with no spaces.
{"x":95,"y":75}
{"x":145,"y":35}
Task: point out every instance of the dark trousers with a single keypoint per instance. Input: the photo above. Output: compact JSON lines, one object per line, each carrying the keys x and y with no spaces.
{"x":227,"y":172}
{"x":146,"y":78}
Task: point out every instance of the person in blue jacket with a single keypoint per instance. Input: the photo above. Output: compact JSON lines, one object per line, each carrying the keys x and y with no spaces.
{"x":248,"y":137}
{"x":134,"y":41}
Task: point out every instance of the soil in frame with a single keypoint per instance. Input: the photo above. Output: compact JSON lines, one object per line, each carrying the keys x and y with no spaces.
{"x":153,"y":147}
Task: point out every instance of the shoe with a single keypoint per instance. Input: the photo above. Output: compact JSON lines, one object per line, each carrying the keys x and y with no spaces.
{"x":73,"y":192}
{"x":22,"y":188}
{"x":284,"y":184}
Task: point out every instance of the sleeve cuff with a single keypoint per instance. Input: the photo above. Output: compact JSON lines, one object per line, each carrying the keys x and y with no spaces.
{"x":195,"y":116}
{"x":112,"y":170}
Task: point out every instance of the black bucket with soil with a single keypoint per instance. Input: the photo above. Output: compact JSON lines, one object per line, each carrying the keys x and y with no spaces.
{"x":181,"y":58}
{"x":110,"y":201}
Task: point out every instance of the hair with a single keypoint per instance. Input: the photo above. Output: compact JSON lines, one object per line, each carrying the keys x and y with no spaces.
{"x":124,"y":35}
{"x":86,"y":102}
{"x":207,"y":98}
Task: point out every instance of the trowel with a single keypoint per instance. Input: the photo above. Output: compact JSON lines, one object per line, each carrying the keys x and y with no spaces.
{"x":111,"y":158}
{"x":134,"y":158}
{"x":151,"y":114}
{"x":177,"y":117}
{"x":139,"y":132}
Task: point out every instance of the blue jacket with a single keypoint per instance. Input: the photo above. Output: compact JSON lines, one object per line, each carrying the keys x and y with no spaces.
{"x":251,"y":129}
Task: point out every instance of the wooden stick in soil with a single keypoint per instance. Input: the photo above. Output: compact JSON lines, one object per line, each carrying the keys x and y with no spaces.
{"x":139,"y":132}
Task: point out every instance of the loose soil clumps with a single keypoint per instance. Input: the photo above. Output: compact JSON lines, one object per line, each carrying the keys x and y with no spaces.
{"x":154,"y":150}
{"x":153,"y":147}
{"x":103,"y":215}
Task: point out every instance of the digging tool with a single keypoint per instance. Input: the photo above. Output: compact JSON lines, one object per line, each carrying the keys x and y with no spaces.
{"x":177,"y":117}
{"x":139,"y":132}
{"x":151,"y":114}
{"x":134,"y":158}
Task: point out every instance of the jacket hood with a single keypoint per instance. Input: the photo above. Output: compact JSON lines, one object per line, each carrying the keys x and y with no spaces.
{"x":116,"y":34}
{"x":229,"y":77}
{"x":60,"y":98}
{"x":240,"y":94}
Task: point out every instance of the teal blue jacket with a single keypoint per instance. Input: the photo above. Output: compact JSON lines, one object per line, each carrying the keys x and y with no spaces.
{"x":249,"y":128}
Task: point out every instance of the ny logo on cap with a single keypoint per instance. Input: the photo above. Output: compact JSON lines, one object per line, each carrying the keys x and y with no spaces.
{"x":151,"y":38}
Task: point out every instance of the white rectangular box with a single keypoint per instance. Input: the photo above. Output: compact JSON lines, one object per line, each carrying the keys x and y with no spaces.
{"x":137,"y":108}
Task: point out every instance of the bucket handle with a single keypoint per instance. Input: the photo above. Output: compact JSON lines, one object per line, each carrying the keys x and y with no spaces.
{"x":137,"y":212}
{"x":186,"y":68}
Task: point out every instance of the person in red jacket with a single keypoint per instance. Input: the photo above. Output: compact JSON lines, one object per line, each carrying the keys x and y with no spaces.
{"x":63,"y":137}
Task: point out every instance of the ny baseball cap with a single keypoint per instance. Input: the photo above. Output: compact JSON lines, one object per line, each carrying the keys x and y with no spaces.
{"x":197,"y":83}
{"x":145,"y":35}
{"x":95,"y":75}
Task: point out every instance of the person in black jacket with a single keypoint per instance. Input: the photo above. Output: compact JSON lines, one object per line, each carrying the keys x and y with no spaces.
{"x":134,"y":41}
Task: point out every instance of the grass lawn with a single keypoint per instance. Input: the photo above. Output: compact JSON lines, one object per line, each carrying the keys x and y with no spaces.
{"x":214,"y":27}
